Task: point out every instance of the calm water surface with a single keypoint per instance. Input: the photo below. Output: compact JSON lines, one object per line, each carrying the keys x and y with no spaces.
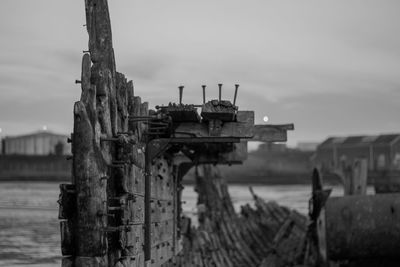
{"x":29,"y":228}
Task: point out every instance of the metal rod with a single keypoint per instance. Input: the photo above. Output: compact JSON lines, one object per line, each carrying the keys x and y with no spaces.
{"x":180,"y":93}
{"x":157,"y":128}
{"x":159,"y":123}
{"x":220,"y":90}
{"x":236,"y":90}
{"x":204,"y":94}
{"x":109,"y":139}
{"x":143,"y":117}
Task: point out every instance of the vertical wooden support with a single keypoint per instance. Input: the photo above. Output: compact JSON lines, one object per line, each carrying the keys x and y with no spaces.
{"x":136,"y":126}
{"x":345,"y":173}
{"x":89,"y":167}
{"x":354,"y":177}
{"x":359,"y":177}
{"x":94,"y":118}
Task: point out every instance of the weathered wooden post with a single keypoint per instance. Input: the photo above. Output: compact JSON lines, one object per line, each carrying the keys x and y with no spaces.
{"x":359,"y":177}
{"x":106,"y":178}
{"x":353,"y":177}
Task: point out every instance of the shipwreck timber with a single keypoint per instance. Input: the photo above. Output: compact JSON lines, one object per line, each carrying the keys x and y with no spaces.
{"x":123,"y":206}
{"x":266,"y":235}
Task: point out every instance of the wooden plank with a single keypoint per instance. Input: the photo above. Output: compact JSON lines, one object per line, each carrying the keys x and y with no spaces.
{"x":240,"y":129}
{"x":139,"y":260}
{"x":321,"y":234}
{"x":162,"y":172}
{"x":236,"y":156}
{"x":134,"y":112}
{"x":91,"y":261}
{"x":67,"y":201}
{"x":155,"y":210}
{"x":136,"y":180}
{"x":154,"y":186}
{"x":161,"y":210}
{"x":86,"y":73}
{"x":67,"y":262}
{"x":239,"y":153}
{"x":144,"y":111}
{"x":271,"y":133}
{"x":164,"y":252}
{"x":243,"y":127}
{"x":67,"y":238}
{"x":161,"y":232}
{"x":133,"y":211}
{"x":154,"y":261}
{"x":161,"y":253}
{"x":91,"y":192}
{"x":161,"y":180}
{"x":360,"y":174}
{"x":131,"y":239}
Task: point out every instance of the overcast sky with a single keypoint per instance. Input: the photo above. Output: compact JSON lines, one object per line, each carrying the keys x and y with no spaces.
{"x":330,"y":67}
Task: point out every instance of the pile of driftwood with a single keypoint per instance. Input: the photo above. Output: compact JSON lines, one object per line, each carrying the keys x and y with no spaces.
{"x":264,"y":235}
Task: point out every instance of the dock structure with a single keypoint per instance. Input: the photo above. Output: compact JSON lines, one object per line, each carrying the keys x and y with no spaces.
{"x":123,"y":205}
{"x":380,"y":152}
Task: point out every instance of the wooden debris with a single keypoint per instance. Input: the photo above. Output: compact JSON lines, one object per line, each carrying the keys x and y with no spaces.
{"x":264,"y":235}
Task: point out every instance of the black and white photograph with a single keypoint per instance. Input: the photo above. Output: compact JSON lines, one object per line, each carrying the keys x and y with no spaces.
{"x":258,"y":133}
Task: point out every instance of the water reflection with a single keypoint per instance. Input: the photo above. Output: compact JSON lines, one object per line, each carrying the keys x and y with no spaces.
{"x":29,"y":228}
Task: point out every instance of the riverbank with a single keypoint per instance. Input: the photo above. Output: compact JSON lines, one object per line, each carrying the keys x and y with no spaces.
{"x":34,"y":168}
{"x":262,"y":167}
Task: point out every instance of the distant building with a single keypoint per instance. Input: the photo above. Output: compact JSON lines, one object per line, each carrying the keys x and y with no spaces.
{"x":39,"y":143}
{"x":307,"y":146}
{"x":382,"y":151}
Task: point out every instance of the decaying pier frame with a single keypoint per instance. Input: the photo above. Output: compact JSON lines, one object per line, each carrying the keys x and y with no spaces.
{"x":123,"y":206}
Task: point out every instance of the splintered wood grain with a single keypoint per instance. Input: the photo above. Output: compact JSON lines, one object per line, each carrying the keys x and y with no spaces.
{"x":264,"y":235}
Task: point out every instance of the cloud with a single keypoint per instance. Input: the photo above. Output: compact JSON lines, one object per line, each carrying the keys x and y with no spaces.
{"x":329,"y":67}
